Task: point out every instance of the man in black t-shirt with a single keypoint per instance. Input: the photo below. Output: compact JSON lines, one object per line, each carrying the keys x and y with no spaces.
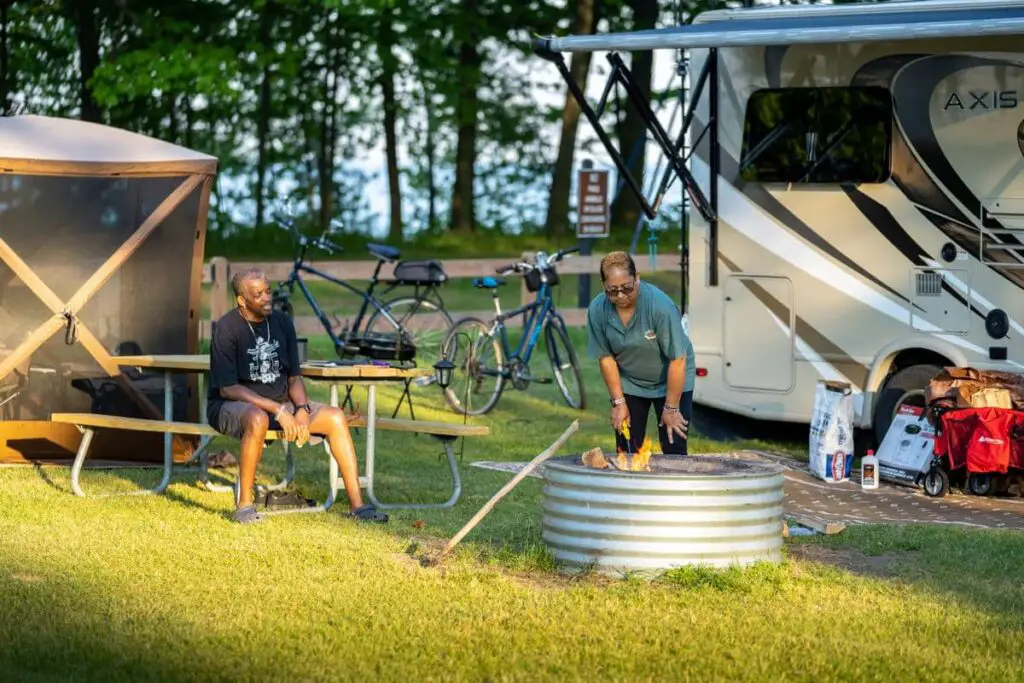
{"x":255,"y":386}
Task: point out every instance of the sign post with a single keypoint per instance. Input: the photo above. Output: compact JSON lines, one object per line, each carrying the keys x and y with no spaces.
{"x":593,"y":217}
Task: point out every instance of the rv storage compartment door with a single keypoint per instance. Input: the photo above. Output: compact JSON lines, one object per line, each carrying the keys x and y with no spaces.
{"x":758,"y":332}
{"x":935,"y":308}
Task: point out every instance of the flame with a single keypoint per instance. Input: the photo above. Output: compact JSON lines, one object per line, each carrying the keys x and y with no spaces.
{"x":641,"y":461}
{"x":620,"y":460}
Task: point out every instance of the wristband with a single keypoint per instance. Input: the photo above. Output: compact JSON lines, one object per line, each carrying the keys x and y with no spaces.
{"x":670,"y":409}
{"x":618,"y":401}
{"x":304,"y":406}
{"x":280,"y":410}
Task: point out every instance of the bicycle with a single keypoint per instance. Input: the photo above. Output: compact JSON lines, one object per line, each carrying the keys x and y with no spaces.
{"x":489,"y":353}
{"x":391,"y":333}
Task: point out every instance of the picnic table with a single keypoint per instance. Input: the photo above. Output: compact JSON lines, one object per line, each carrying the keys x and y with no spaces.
{"x":333,"y":372}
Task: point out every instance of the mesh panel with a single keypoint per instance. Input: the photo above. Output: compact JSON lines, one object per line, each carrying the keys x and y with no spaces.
{"x":65,"y":229}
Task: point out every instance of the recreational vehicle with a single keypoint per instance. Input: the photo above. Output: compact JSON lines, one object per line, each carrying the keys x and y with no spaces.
{"x":857,"y":194}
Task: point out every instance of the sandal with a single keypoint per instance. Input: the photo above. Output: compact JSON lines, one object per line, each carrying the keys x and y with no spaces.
{"x":247,"y":515}
{"x":368,"y":513}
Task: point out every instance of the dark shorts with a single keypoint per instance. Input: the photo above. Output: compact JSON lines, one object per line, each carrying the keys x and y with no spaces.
{"x":229,"y":421}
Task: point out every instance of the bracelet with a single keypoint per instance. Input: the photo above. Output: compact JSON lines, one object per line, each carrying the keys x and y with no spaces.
{"x":670,"y":409}
{"x":280,"y":410}
{"x":618,"y":401}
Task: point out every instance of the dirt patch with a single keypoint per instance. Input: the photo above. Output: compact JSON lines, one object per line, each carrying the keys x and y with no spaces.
{"x":883,"y":566}
{"x":26,"y":578}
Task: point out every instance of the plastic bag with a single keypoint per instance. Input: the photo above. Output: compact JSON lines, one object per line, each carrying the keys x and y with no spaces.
{"x":831,"y":440}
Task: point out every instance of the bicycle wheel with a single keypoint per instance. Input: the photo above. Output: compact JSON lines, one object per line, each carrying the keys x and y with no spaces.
{"x":564,"y":364}
{"x":478,"y":359}
{"x":422,"y":321}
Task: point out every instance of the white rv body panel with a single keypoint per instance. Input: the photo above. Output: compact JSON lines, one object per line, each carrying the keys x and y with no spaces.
{"x":851,"y":256}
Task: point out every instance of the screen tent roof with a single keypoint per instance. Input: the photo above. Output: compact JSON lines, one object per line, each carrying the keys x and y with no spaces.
{"x":828,"y":24}
{"x":57,"y":146}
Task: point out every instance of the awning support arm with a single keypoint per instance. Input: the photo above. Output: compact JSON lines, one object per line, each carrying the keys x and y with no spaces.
{"x":620,"y":74}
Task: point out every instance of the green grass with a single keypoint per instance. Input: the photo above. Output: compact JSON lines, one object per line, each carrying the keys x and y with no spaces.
{"x":166,"y":588}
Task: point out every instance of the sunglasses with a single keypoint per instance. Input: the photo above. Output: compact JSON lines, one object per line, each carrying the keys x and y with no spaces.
{"x":616,"y":291}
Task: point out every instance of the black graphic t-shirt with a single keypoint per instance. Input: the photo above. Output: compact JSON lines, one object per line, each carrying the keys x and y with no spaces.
{"x":258,"y":356}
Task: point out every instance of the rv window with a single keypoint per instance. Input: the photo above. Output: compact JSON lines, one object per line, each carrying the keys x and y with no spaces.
{"x":817,"y":135}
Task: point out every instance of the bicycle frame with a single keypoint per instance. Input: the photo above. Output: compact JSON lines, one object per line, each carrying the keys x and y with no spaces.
{"x":295,"y":278}
{"x":540,"y":310}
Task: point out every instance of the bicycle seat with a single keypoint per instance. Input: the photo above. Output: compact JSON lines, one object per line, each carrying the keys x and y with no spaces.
{"x":488,"y":282}
{"x":384,"y":252}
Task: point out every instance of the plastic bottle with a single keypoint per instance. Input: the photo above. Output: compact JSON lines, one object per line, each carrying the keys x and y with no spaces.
{"x":869,"y":471}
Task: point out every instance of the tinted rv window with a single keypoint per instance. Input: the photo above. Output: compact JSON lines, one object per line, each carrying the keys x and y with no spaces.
{"x":817,"y":135}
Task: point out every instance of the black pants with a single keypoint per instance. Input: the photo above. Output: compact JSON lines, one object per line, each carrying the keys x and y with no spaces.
{"x":639,"y":408}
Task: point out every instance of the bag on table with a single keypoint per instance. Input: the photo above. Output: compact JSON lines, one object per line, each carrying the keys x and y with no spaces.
{"x":831,"y":439}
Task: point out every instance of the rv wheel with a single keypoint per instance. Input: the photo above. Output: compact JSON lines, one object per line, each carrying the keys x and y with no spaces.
{"x":906,"y":386}
{"x":936,"y":483}
{"x":980,"y":484}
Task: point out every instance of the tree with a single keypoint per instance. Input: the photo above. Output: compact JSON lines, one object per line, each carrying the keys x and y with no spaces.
{"x":557,"y":223}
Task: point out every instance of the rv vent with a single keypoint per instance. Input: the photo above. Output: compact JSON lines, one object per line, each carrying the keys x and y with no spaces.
{"x":929,"y":284}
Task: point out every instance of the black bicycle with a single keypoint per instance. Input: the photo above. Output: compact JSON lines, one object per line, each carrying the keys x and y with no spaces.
{"x":401,"y":329}
{"x":488,"y":354}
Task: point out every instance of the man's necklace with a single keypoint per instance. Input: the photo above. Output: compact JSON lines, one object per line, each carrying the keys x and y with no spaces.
{"x":255,"y":336}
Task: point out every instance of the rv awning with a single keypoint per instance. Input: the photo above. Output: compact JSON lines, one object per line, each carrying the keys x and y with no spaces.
{"x":867,"y":23}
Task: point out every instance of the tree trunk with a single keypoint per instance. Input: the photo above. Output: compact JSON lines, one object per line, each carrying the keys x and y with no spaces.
{"x":632,"y":133}
{"x":431,"y":156}
{"x":385,"y":41}
{"x":263,"y":117}
{"x":87,"y":33}
{"x":330,"y":128}
{"x":557,"y":222}
{"x":467,"y":108}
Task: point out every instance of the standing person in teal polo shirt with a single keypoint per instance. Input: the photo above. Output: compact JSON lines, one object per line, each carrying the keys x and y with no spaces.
{"x":636,"y":334}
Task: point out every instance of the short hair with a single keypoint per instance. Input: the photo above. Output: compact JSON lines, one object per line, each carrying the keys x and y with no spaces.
{"x":618,"y":259}
{"x":248,"y":274}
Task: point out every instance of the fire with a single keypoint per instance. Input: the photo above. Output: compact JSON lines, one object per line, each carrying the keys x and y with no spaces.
{"x":639,"y":462}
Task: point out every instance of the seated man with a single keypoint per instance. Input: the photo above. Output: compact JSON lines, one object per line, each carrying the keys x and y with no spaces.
{"x":255,"y":386}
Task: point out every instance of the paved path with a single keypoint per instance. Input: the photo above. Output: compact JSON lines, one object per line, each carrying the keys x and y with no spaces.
{"x":890,"y":504}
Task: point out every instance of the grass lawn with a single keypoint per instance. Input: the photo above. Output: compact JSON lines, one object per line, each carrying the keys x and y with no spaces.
{"x":166,"y":588}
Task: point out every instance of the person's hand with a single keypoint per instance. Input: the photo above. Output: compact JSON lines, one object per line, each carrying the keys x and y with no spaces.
{"x":289,"y":424}
{"x":674,"y":424}
{"x":302,"y":424}
{"x":620,"y":415}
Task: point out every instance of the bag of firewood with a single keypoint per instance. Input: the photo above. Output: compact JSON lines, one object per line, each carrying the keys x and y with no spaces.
{"x":972,"y":388}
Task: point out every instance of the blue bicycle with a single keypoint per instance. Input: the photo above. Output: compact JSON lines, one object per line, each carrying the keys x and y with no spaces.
{"x":487,"y":355}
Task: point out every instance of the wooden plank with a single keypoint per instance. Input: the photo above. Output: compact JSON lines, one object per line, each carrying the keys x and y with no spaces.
{"x":827,"y":528}
{"x":183,"y":362}
{"x":106,"y":168}
{"x":29,"y":278}
{"x":97,"y":350}
{"x":455,"y":268}
{"x":29,"y":346}
{"x":134,"y":424}
{"x":190,"y":429}
{"x":366,"y":372}
{"x":426,"y":427}
{"x":132,"y":244}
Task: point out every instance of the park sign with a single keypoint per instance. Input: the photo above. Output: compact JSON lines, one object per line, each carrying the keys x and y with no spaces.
{"x":592,"y":214}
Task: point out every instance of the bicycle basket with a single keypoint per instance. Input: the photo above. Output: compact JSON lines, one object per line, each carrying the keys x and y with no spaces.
{"x":533,"y":279}
{"x":384,"y":347}
{"x":420,"y":272}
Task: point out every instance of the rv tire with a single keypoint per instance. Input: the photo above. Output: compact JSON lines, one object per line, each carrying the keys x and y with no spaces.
{"x":905,"y":383}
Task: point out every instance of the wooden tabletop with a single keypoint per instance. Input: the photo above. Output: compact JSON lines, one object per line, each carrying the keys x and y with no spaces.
{"x":201,"y":363}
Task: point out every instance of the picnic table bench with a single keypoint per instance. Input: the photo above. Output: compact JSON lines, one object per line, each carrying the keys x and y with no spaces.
{"x":445,"y":432}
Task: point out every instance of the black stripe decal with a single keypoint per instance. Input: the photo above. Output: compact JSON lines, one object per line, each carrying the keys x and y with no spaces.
{"x":764,"y":199}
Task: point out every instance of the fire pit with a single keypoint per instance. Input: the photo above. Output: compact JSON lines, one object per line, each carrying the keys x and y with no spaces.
{"x":686,"y":510}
